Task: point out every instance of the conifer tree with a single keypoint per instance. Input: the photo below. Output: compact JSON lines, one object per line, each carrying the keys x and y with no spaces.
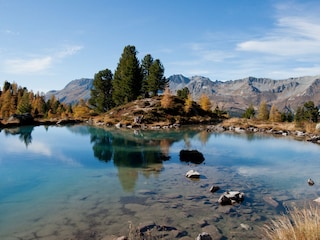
{"x":249,"y":113}
{"x":275,"y":115}
{"x":127,"y":80}
{"x":166,"y":100}
{"x":24,"y":105}
{"x":101,"y":93}
{"x":5,"y":105}
{"x":188,"y":103}
{"x":204,"y":102}
{"x":146,"y":63}
{"x":183,"y":93}
{"x":263,"y":113}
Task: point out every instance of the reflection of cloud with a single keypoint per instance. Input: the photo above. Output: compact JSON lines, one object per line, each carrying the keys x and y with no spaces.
{"x":14,"y":145}
{"x":39,"y":148}
{"x":252,"y":171}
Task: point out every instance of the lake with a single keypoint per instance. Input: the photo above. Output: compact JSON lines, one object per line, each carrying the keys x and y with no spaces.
{"x":83,"y":182}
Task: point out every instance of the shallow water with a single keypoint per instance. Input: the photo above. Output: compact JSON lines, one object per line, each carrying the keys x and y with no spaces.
{"x":81,"y":182}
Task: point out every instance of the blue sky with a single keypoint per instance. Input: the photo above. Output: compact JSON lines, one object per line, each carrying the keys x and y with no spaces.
{"x":44,"y":44}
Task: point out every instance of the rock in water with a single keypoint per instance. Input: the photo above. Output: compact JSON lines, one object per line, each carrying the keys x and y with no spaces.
{"x":232,"y":197}
{"x":214,"y":189}
{"x":192,"y":156}
{"x":310,"y":182}
{"x":193,"y":174}
{"x":204,"y":236}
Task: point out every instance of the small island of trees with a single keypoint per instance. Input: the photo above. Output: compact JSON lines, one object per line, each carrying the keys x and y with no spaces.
{"x":135,"y":80}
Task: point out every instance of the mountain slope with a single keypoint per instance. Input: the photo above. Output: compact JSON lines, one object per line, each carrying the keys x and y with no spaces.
{"x":73,"y":91}
{"x":236,"y":95}
{"x":233,"y":96}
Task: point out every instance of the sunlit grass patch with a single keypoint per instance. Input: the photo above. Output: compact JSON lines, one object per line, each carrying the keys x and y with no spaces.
{"x":297,"y":224}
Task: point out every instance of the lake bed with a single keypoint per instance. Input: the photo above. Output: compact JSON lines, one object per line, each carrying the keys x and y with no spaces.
{"x":82,"y":182}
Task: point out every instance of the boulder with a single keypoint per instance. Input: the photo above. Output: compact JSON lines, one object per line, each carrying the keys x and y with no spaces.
{"x":193,"y":174}
{"x":192,"y":156}
{"x":20,"y":119}
{"x":214,"y":189}
{"x":231,"y":197}
{"x":204,"y":236}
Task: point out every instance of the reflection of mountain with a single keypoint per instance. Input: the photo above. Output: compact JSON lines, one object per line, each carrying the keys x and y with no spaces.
{"x":23,"y":132}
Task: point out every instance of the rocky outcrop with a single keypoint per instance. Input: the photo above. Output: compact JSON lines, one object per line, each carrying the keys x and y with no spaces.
{"x":193,"y":156}
{"x":231,"y":197}
{"x":236,"y":95}
{"x":20,"y":119}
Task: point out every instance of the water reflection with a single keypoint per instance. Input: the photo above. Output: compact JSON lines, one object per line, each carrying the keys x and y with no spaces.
{"x":23,"y":132}
{"x":82,"y":173}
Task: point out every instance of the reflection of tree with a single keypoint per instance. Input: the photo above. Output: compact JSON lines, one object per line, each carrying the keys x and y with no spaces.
{"x":164,"y":148}
{"x":134,"y":153}
{"x":204,"y":137}
{"x":128,"y":177}
{"x":102,"y":140}
{"x":186,"y":138}
{"x":23,"y":132}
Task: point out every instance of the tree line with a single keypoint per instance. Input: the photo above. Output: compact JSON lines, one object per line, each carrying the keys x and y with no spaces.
{"x":15,"y":99}
{"x":130,"y":81}
{"x":308,"y":112}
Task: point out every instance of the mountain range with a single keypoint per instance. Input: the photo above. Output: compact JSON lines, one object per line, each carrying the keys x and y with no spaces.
{"x":233,"y":96}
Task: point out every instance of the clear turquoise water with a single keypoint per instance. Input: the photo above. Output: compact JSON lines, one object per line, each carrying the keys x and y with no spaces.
{"x":71,"y":182}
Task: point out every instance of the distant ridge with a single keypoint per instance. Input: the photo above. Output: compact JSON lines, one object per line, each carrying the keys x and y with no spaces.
{"x":233,"y":96}
{"x":73,"y":91}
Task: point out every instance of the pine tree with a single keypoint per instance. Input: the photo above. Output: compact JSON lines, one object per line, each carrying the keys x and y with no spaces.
{"x":146,"y":63}
{"x":249,"y":113}
{"x":156,"y":80}
{"x":183,"y":93}
{"x":101,"y":93}
{"x":311,"y":112}
{"x":24,"y":105}
{"x":127,"y":80}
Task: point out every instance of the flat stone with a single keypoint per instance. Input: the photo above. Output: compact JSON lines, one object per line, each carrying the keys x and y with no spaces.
{"x":271,"y":201}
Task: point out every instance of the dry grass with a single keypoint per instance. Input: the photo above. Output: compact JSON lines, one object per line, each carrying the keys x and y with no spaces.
{"x":298,"y":224}
{"x":288,"y":126}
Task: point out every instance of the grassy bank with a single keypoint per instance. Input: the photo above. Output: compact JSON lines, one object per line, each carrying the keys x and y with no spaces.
{"x":298,"y":224}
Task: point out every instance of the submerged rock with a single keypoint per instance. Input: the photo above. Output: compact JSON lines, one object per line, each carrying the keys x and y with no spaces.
{"x":204,"y":236}
{"x":213,"y":189}
{"x":232,"y":197}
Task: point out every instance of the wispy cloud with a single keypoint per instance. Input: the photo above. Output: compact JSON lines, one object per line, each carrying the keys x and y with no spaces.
{"x":26,"y":66}
{"x":69,"y":51}
{"x":38,"y":64}
{"x":292,"y":36}
{"x":10,"y":32}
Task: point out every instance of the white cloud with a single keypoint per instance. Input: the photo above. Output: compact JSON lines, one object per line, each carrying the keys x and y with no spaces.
{"x":33,"y":65}
{"x":69,"y":51}
{"x":25,"y":66}
{"x":293,"y":36}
